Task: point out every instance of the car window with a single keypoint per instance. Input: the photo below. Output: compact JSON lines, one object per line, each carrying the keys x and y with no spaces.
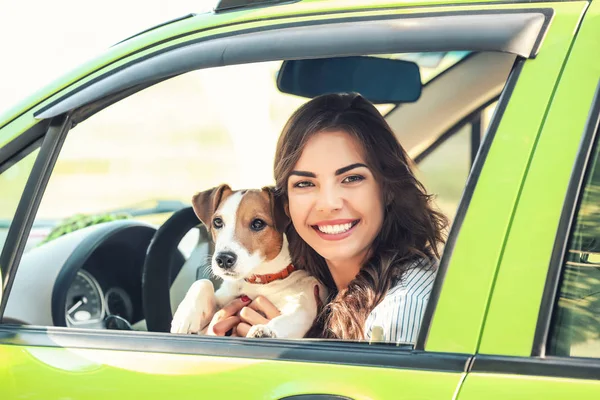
{"x":142,"y":158}
{"x":12,"y":183}
{"x":575,"y":329}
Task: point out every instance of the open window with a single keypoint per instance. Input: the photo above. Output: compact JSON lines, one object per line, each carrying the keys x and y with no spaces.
{"x":139,"y":161}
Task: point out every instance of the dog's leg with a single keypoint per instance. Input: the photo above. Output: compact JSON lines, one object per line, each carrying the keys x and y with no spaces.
{"x":197,"y":308}
{"x":292,"y":324}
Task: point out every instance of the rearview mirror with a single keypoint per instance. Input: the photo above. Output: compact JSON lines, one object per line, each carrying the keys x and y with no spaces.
{"x":380,"y":80}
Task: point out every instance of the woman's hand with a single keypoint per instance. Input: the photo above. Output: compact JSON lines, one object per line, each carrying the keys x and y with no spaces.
{"x":226,"y":318}
{"x":259,"y":312}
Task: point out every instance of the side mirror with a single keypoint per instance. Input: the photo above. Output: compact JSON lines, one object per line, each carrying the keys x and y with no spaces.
{"x":380,"y":80}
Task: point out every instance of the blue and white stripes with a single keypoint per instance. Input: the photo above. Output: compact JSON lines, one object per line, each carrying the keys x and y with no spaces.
{"x":398,"y":317}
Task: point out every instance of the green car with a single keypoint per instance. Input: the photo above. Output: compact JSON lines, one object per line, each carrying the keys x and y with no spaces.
{"x":498,"y":104}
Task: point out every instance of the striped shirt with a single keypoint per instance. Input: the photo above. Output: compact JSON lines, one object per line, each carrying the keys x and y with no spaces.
{"x":398,"y":317}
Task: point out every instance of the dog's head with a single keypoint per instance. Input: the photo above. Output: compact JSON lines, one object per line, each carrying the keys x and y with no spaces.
{"x":247,"y":227}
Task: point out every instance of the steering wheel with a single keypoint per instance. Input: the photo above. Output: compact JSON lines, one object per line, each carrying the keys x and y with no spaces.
{"x":157,"y":274}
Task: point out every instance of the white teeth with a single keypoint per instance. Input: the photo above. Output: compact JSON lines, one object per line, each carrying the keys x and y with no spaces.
{"x":335,"y":229}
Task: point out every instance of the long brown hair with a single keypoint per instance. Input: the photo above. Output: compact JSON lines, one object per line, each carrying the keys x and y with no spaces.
{"x":411,"y":227}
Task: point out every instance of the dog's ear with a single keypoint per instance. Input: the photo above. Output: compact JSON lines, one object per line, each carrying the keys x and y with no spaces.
{"x":206,"y":203}
{"x":279,"y":211}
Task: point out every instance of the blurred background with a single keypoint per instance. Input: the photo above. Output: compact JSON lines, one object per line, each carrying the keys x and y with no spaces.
{"x":41,"y":40}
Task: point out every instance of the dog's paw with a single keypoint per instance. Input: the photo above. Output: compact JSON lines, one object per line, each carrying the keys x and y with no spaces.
{"x":196,"y":309}
{"x":186,"y":320}
{"x":261,"y":331}
{"x":190,"y":317}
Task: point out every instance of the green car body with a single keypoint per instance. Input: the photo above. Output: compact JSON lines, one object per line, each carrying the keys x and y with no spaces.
{"x":482,"y":340}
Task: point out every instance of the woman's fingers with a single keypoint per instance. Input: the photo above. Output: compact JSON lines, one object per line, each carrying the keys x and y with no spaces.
{"x":232,"y":308}
{"x":242,"y":329}
{"x":226,"y":318}
{"x":222,"y":327}
{"x":252,"y":317}
{"x":240,"y":315}
{"x":265,"y":307}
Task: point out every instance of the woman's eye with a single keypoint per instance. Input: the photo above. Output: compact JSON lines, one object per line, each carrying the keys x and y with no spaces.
{"x":217,"y":223}
{"x":303,"y":184}
{"x":353,"y":178}
{"x":257,"y":224}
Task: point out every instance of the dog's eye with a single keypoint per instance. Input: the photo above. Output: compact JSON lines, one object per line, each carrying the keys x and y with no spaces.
{"x":218,"y":223}
{"x":257,"y":224}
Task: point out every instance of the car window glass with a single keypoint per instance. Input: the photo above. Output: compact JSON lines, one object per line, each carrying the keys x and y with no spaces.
{"x":575,"y":329}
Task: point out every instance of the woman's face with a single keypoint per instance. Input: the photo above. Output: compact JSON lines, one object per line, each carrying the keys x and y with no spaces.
{"x":334,"y":201}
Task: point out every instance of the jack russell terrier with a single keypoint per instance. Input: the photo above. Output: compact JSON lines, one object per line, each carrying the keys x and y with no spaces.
{"x":252,"y":258}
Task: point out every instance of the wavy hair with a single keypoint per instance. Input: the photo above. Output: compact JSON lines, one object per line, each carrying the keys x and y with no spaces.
{"x":411,"y":227}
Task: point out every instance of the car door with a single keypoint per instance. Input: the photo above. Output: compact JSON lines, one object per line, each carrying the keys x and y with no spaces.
{"x":52,"y":362}
{"x":541,"y":332}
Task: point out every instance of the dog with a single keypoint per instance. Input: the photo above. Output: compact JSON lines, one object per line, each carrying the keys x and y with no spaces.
{"x":252,"y":258}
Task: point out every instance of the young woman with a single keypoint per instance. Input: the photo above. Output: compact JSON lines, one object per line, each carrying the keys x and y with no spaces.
{"x":360,"y":222}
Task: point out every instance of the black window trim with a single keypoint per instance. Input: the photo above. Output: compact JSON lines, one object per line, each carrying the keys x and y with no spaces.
{"x":476,"y":131}
{"x":565,"y":228}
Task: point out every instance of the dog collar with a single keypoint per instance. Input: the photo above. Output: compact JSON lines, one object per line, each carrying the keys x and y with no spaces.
{"x":266,"y":278}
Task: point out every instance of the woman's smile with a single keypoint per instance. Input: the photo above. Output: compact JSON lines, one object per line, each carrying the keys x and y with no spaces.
{"x":336,"y":229}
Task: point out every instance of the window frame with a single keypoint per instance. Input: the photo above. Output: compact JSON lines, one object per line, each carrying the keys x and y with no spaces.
{"x":344,"y":353}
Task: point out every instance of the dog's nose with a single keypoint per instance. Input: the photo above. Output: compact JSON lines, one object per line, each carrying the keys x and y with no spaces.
{"x":226,"y":259}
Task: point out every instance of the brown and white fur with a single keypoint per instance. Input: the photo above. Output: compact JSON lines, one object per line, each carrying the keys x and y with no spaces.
{"x":255,"y":252}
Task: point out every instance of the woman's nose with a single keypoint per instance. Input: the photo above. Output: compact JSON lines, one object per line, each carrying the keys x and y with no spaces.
{"x":329,"y":200}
